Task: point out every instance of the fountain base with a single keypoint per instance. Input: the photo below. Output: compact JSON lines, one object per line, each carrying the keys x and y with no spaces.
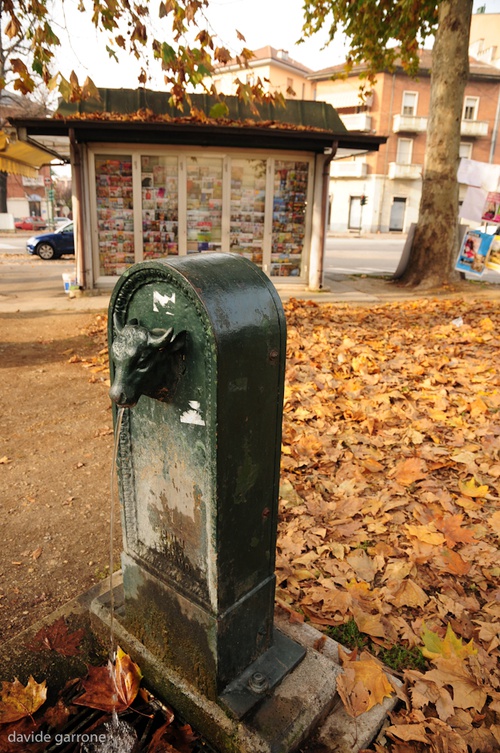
{"x":304,"y":704}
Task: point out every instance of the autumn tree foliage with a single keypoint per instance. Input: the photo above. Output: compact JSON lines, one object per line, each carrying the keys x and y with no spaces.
{"x":184,"y":46}
{"x":373,"y":29}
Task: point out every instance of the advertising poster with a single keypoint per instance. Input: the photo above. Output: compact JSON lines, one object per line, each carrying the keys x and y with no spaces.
{"x":491,"y":210}
{"x":493,"y":260}
{"x":474,"y":252}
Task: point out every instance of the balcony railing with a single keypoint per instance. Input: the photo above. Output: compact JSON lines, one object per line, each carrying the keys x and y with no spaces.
{"x":409,"y":124}
{"x":343,"y":169}
{"x":474,"y":128}
{"x":359,"y":121}
{"x":399,"y":171}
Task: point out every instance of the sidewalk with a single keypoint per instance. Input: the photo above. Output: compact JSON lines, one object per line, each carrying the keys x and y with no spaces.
{"x":49,"y":295}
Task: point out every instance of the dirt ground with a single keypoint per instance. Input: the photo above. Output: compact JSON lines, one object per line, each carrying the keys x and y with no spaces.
{"x":55,"y":466}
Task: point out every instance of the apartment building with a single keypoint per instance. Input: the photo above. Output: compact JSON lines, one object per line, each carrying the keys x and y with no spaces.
{"x":277,"y":71}
{"x":380,"y":192}
{"x":483,"y":42}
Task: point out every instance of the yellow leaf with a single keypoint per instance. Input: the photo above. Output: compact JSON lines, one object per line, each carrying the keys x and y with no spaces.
{"x":427,"y":534}
{"x":18,"y":701}
{"x":486,"y":324}
{"x":478,"y":407}
{"x":448,"y":647}
{"x":363,"y":683}
{"x":472,"y":489}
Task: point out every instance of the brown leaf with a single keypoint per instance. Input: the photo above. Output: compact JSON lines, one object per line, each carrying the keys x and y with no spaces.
{"x":113,"y":687}
{"x":363,"y":683}
{"x":408,"y":471}
{"x":467,"y":691}
{"x":451,"y":527}
{"x":18,"y":701}
{"x":57,"y":638}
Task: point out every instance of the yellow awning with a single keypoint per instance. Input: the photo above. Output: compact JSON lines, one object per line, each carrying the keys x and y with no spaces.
{"x":21,"y":158}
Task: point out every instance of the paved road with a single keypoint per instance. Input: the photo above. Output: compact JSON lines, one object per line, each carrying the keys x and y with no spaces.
{"x":372,"y":256}
{"x":358,"y":255}
{"x":15,"y":244}
{"x":24,"y":277}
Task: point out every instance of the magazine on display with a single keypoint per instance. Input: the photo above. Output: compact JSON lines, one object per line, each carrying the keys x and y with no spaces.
{"x":474,"y":252}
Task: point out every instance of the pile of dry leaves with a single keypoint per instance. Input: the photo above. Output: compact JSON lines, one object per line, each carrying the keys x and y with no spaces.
{"x":390,"y":509}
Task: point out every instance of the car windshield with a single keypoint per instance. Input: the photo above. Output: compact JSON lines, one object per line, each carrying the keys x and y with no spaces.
{"x":65,"y":228}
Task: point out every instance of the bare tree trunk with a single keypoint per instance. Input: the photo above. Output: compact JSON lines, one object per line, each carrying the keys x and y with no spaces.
{"x":435,"y":245}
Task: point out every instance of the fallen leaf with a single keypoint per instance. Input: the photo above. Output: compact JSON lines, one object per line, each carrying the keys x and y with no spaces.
{"x":467,"y":691}
{"x":408,"y":471}
{"x":18,"y":701}
{"x":494,"y":522}
{"x":408,"y":732}
{"x":111,"y":688}
{"x":451,"y":527}
{"x":451,"y":562}
{"x":426,"y":533}
{"x":56,"y":637}
{"x":451,"y":646}
{"x":472,"y":489}
{"x":363,"y":684}
{"x":409,"y":594}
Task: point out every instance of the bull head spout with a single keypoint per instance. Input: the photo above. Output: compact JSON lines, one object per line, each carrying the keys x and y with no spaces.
{"x":147,"y":362}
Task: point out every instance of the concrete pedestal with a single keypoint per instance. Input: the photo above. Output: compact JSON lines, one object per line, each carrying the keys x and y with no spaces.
{"x":304,"y":705}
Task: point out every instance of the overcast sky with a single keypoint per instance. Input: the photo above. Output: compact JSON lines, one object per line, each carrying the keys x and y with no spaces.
{"x":262,"y":22}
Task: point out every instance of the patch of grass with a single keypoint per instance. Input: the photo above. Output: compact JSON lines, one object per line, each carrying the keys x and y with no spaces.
{"x":365,"y":544}
{"x":348,"y":635}
{"x":396,"y":657}
{"x":399,"y":658}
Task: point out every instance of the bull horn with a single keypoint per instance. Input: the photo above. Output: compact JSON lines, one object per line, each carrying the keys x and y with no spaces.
{"x":117,"y":323}
{"x":159,"y":337}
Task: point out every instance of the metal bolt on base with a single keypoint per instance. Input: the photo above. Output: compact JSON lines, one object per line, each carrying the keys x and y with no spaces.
{"x":258,"y":683}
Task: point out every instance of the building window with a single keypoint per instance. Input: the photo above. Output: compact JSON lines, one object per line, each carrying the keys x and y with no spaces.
{"x":403,"y":155}
{"x":289,"y":87}
{"x":471,"y":105}
{"x":465,"y":150}
{"x":409,"y":104}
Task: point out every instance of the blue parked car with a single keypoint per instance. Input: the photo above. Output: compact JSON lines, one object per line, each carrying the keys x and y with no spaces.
{"x":53,"y":245}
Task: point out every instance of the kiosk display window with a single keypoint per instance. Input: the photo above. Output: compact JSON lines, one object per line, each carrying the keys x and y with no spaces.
{"x":289,"y":216}
{"x":204,"y":204}
{"x":160,"y":206}
{"x":115,"y":214}
{"x":247,"y":208}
